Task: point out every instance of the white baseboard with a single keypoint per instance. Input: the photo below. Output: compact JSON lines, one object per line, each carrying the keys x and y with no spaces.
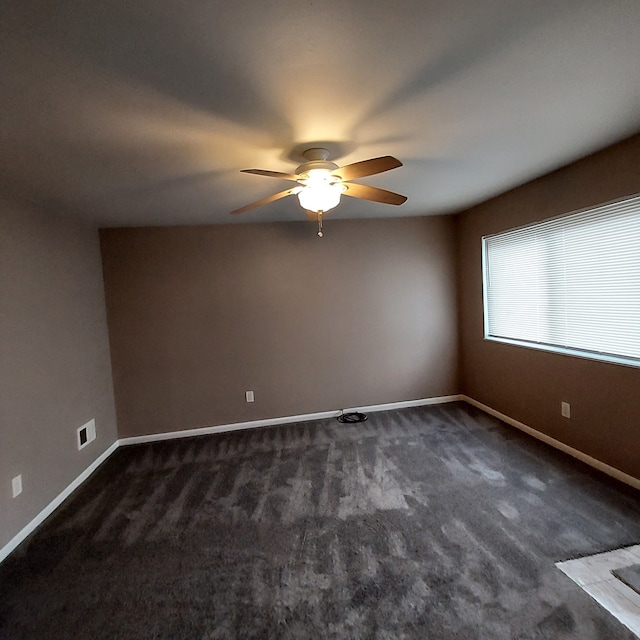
{"x":372,"y":408}
{"x":55,"y":503}
{"x":575,"y":453}
{"x":268,"y":422}
{"x":252,"y":424}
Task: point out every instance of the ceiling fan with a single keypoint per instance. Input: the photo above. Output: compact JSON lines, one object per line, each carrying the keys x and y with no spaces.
{"x":321,"y":183}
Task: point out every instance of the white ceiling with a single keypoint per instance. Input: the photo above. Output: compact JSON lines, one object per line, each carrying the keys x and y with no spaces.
{"x":143,"y":112}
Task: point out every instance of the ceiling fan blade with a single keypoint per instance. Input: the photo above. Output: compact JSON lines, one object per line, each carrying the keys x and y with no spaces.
{"x":373,"y":193}
{"x":271,"y":174}
{"x":367,"y":168}
{"x":267,"y":200}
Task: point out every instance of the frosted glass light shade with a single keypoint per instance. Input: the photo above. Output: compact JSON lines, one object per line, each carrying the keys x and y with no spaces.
{"x":320,"y":193}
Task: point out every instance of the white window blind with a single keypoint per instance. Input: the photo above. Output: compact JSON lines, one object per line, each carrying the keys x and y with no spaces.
{"x":571,"y":283}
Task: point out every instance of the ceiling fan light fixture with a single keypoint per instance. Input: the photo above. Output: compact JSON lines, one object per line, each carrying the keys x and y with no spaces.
{"x":320,"y":183}
{"x":321,"y":191}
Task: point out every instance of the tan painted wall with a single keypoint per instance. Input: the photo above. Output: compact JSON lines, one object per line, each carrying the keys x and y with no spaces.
{"x":55,"y":372}
{"x":198,"y":315}
{"x":529,"y":385}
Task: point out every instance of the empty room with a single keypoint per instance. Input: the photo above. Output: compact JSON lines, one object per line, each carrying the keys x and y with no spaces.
{"x":320,"y":320}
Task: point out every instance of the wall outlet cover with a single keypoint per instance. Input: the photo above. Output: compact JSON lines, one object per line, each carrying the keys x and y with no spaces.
{"x":566,"y":410}
{"x":249,"y":396}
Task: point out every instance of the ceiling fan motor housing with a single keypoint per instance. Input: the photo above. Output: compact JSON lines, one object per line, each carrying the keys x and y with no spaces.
{"x":316,"y":159}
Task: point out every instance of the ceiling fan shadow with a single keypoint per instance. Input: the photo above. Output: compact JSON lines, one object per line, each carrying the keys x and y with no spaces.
{"x":457,"y":60}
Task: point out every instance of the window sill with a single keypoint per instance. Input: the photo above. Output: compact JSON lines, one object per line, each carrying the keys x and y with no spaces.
{"x":576,"y":353}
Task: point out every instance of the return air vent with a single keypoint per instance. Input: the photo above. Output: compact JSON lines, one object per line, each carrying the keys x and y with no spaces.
{"x":86,"y":433}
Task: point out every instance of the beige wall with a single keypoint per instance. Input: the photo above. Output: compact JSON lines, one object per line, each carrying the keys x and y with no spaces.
{"x":529,"y":385}
{"x":198,"y":315}
{"x":55,"y":371}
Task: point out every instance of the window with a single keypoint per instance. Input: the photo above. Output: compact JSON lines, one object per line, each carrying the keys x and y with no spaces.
{"x":570,"y":284}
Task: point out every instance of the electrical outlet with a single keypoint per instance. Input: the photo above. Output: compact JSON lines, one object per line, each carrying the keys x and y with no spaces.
{"x":86,"y":433}
{"x":16,"y":486}
{"x":565,"y":410}
{"x":249,"y":396}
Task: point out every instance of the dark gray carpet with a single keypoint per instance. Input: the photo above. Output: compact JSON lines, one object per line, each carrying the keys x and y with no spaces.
{"x":436,"y":522}
{"x":630,"y":576}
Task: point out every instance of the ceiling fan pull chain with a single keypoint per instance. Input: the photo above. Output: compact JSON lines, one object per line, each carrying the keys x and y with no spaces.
{"x":320,"y":234}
